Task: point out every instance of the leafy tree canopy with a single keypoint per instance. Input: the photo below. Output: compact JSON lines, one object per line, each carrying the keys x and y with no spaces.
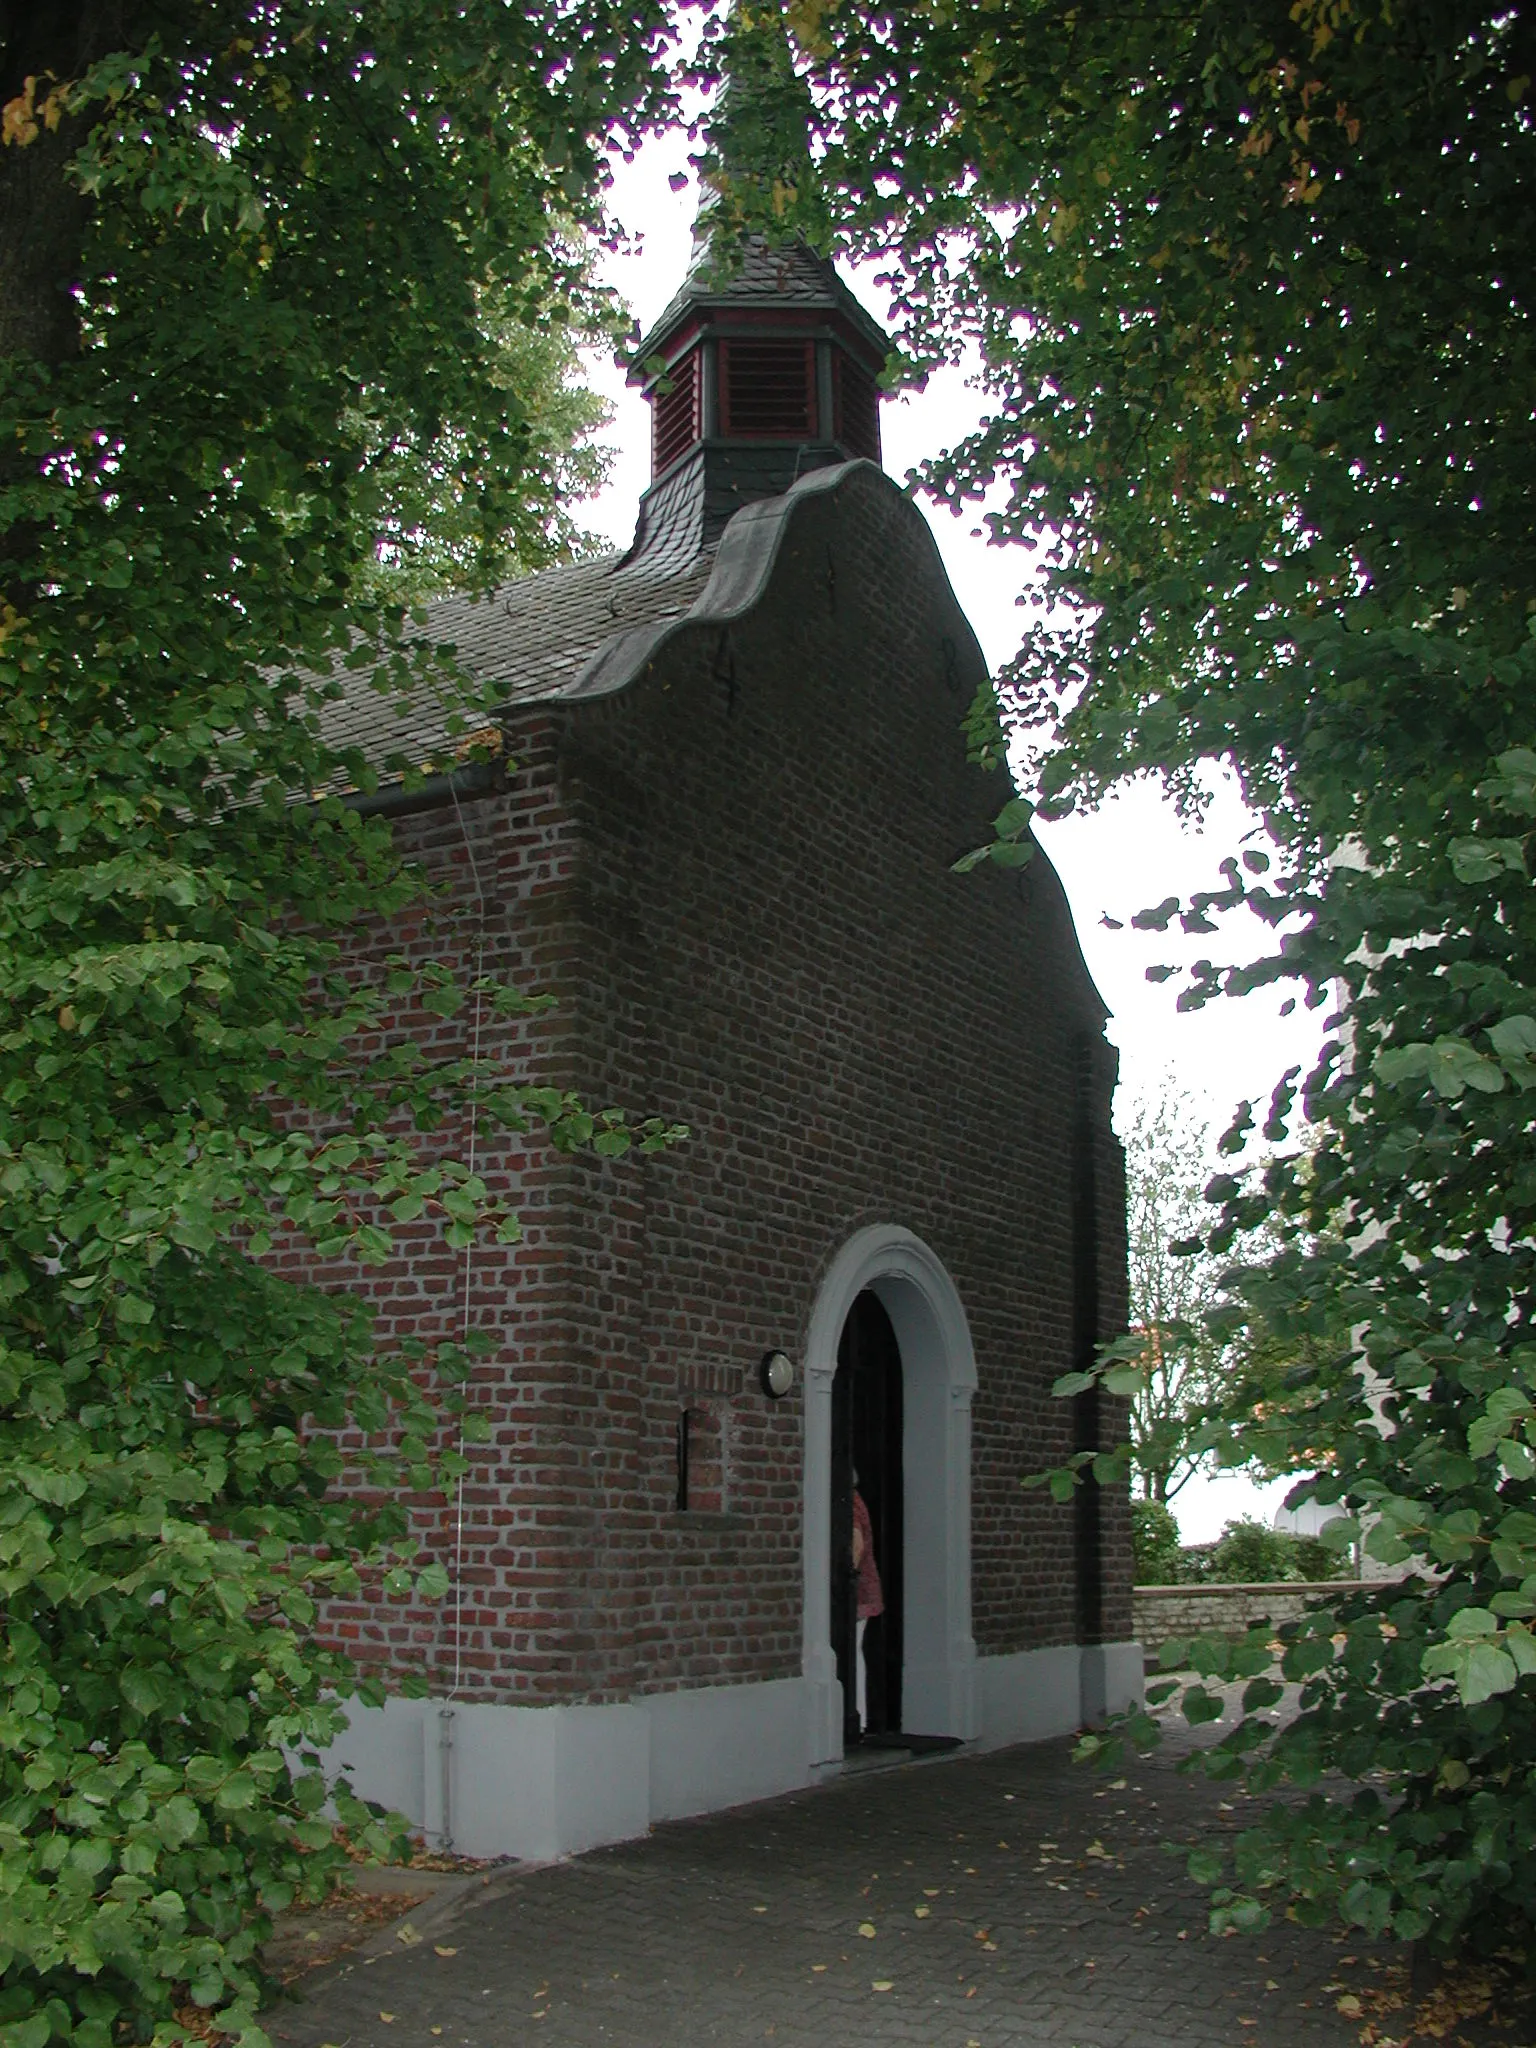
{"x":1252,"y":287}
{"x":277,"y":286}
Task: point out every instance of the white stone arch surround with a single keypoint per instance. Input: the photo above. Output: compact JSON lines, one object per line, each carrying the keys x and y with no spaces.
{"x":938,"y":1366}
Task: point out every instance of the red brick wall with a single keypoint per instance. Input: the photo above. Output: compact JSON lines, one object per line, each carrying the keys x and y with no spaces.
{"x":500,"y":870}
{"x":736,"y":877}
{"x":778,"y":952}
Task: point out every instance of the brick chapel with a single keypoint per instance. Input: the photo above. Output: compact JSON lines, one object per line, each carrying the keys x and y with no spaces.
{"x":722,"y":835}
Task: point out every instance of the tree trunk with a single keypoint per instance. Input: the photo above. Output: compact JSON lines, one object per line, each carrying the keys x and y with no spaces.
{"x":42,"y":215}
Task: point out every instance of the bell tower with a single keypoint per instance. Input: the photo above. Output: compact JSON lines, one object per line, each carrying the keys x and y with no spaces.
{"x":764,"y":365}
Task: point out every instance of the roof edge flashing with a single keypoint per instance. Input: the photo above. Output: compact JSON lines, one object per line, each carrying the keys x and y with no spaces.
{"x":745,"y":559}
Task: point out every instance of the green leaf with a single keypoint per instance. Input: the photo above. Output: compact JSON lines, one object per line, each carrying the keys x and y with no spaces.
{"x":1011,"y":853}
{"x":1514,"y":1040}
{"x":1124,"y":1379}
{"x":1398,"y":1064}
{"x":34,"y":2032}
{"x":1506,"y":1406}
{"x":969,"y":861}
{"x":1454,"y":1066}
{"x":177,"y":1821}
{"x":1486,"y":1670}
{"x":59,"y":1489}
{"x":1473,"y":1621}
{"x":236,"y":1793}
{"x":1015,"y":817}
{"x":1260,"y":1693}
{"x":1483,"y":860}
{"x":1383,"y":1544}
{"x":145,"y":1691}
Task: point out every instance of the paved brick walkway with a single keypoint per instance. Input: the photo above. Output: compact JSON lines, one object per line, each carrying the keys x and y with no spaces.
{"x":974,"y":1902}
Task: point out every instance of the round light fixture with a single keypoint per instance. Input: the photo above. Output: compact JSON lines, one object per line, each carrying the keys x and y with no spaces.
{"x":776,"y":1374}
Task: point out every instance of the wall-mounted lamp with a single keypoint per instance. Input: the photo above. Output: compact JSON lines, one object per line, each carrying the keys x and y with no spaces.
{"x":776,"y":1374}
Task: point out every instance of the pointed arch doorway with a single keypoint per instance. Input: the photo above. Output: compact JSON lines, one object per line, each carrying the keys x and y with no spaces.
{"x":926,"y":1477}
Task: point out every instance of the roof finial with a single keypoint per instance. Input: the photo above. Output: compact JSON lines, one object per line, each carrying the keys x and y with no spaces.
{"x":756,"y":166}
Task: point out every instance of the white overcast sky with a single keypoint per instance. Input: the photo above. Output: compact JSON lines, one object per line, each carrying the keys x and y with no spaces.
{"x":1134,"y":852}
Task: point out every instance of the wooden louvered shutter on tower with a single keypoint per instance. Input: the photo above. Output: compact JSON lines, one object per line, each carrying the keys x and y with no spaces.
{"x":767,"y":389}
{"x":675,"y":422}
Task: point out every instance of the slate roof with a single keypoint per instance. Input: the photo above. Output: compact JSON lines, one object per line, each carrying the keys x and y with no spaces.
{"x":529,"y":640}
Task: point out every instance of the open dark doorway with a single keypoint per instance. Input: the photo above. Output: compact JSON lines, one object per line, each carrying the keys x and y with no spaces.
{"x":867,"y":1439}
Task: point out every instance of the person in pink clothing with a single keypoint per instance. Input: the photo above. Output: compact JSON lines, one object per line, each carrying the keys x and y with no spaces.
{"x":870,"y":1600}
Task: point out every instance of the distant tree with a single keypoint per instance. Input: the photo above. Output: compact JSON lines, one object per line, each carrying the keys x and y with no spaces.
{"x":1167,"y":1167}
{"x":1155,"y":1544}
{"x":1199,"y":1348}
{"x":1248,"y":1551}
{"x":433,"y":498}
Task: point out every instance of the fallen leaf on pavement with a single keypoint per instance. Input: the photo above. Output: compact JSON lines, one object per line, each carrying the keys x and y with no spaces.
{"x":921,"y":1912}
{"x":866,"y":1930}
{"x":881,"y":1984}
{"x":439,"y":1950}
{"x":388,"y":2018}
{"x":407,"y":1934}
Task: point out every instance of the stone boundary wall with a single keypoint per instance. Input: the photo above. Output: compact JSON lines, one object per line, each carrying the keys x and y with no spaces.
{"x":1165,"y":1612}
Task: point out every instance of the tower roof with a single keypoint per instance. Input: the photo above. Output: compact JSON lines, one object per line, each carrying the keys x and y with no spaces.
{"x":747,"y":271}
{"x":763,"y":365}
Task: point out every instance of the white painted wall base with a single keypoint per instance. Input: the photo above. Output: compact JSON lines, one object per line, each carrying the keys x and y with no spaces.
{"x":532,"y":1782}
{"x":728,"y":1744}
{"x":1113,"y":1680}
{"x":1035,"y":1694}
{"x":541,"y":1782}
